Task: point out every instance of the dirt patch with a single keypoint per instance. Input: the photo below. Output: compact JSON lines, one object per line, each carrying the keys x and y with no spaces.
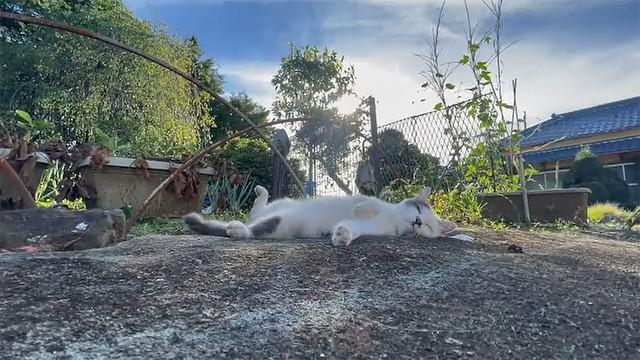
{"x":565,"y":296}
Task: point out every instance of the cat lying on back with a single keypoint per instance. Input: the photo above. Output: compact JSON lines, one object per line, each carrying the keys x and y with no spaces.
{"x":345,"y":218}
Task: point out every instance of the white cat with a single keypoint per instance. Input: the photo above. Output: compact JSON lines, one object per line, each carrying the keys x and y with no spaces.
{"x":344,"y":218}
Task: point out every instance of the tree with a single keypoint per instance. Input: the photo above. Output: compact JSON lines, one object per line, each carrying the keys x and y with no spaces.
{"x":309,"y":80}
{"x":402,"y":160}
{"x":226,"y":121}
{"x":308,"y":84}
{"x":79,"y":85}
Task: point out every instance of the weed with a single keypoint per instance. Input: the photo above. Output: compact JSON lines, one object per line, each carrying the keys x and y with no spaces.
{"x":597,"y":212}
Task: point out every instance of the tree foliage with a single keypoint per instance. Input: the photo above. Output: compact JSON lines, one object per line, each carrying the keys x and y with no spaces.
{"x":79,"y":85}
{"x":310,"y":79}
{"x":308,"y":84}
{"x":227,"y":121}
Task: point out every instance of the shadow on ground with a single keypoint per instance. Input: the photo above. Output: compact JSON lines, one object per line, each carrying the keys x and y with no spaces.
{"x":567,"y":296}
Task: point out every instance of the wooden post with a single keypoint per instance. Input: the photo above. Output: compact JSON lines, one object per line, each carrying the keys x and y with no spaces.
{"x":282,"y":142}
{"x":523,"y":181}
{"x":375,"y":154}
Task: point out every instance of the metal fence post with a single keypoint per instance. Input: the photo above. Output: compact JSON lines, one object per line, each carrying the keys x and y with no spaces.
{"x":375,"y":154}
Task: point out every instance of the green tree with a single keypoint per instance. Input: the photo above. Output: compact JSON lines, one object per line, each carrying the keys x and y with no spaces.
{"x":310,"y":79}
{"x":308,"y":84}
{"x":79,"y":85}
{"x":227,"y":121}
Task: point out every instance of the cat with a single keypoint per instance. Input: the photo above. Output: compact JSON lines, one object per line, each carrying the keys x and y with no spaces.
{"x":344,"y":218}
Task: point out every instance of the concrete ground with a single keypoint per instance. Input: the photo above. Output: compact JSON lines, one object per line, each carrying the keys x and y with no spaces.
{"x":567,"y":296}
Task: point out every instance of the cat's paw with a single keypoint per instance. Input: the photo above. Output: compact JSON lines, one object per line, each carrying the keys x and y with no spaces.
{"x":342,"y":236}
{"x":237,"y":230}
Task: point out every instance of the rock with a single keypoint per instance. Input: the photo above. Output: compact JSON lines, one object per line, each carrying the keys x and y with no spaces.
{"x":61,"y":229}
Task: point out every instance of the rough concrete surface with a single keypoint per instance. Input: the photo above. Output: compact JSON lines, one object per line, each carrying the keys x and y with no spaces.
{"x":568,"y":296}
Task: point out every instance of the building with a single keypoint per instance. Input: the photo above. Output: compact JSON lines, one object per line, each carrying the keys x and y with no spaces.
{"x":611,"y":130}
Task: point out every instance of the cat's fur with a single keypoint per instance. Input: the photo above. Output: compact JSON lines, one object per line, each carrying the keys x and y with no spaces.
{"x":344,"y":218}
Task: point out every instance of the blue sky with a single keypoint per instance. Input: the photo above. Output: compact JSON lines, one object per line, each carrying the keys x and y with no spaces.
{"x":569,"y":54}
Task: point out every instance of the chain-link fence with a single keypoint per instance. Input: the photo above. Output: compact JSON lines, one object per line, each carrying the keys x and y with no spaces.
{"x":420,"y":148}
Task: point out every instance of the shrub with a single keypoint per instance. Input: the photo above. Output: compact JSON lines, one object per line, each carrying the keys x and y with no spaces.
{"x":605,"y":184}
{"x":597,"y":212}
{"x":252,"y":158}
{"x":400,"y":189}
{"x":458,"y":205}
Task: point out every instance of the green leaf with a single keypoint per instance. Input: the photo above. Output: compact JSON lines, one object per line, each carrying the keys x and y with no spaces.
{"x":487,"y":39}
{"x":482,"y":65}
{"x":450,"y":86}
{"x":438,"y":106}
{"x":101,"y":137}
{"x":24,"y":116}
{"x":474,"y":47}
{"x":485,"y":75}
{"x":464,"y":60}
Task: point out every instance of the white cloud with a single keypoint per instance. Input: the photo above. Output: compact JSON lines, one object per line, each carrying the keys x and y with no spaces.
{"x":548,"y":81}
{"x":254,"y":78}
{"x":549,"y":78}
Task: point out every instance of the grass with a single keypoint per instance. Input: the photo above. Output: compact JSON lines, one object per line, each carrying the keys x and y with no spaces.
{"x":596,"y":212}
{"x":164,"y":226}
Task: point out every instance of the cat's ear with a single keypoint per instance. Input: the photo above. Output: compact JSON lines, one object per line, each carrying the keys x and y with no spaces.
{"x":366,"y":210}
{"x":447,"y":226}
{"x":424,"y":194}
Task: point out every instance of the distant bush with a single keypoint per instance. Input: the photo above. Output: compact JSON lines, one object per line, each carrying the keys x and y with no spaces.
{"x":605,"y":184}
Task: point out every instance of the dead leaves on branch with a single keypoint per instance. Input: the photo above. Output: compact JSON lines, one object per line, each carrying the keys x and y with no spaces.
{"x":74,"y":189}
{"x":186,"y":184}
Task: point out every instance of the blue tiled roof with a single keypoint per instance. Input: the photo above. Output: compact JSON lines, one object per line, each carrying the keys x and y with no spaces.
{"x":615,"y":116}
{"x":598,"y":148}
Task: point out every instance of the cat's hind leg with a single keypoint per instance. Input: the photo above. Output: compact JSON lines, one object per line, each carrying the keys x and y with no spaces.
{"x":262,"y":198}
{"x":265,"y":227}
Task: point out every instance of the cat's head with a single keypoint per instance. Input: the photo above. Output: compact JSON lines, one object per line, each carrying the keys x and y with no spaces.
{"x":418,"y":212}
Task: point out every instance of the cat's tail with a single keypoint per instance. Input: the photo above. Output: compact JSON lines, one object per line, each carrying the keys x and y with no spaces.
{"x":198,"y":224}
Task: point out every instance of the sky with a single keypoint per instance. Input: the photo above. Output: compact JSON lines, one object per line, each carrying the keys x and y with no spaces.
{"x":567,"y":55}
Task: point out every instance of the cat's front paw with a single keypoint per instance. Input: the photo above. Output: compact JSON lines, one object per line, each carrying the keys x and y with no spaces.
{"x":342,"y":236}
{"x":237,"y":230}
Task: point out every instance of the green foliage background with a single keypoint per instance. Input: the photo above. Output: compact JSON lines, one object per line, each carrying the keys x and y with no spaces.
{"x":79,"y":85}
